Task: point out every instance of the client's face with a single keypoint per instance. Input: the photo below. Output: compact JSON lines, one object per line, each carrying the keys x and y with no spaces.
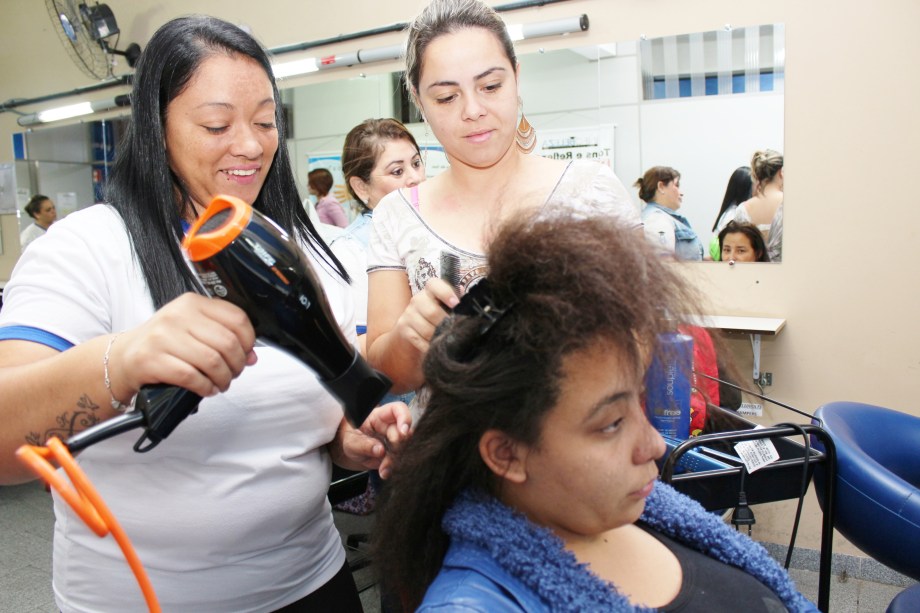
{"x":595,"y":464}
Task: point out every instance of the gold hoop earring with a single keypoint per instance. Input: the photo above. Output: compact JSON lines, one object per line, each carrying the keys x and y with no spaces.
{"x":525,"y":137}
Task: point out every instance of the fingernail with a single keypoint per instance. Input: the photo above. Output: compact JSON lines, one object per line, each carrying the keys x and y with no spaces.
{"x":453,"y":301}
{"x":378,"y":449}
{"x":404,"y":428}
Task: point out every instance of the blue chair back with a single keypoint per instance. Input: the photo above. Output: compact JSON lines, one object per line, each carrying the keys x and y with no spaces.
{"x":878,"y":481}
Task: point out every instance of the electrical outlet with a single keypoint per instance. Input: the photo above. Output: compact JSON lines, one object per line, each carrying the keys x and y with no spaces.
{"x":766,"y":379}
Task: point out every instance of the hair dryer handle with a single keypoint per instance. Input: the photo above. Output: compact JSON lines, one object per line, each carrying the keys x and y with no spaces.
{"x":164,"y":407}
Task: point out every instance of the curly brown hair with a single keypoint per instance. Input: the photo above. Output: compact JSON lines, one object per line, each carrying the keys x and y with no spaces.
{"x":565,"y":284}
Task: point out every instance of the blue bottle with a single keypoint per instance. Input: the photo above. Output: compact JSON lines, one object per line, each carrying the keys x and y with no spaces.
{"x":667,"y":385}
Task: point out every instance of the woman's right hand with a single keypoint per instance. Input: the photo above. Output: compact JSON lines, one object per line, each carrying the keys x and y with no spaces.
{"x":425,"y":311}
{"x":400,"y":325}
{"x":194,"y":342}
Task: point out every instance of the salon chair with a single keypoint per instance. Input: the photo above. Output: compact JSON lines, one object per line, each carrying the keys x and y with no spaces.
{"x":907,"y":601}
{"x":878,"y":481}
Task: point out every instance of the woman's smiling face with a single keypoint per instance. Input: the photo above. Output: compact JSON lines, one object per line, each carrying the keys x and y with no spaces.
{"x":220,"y":130}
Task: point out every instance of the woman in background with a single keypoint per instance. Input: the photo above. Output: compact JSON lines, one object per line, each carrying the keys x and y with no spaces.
{"x":41,"y":210}
{"x":742,"y":242}
{"x":462,"y":74}
{"x":668,"y":231}
{"x":739,"y":189}
{"x":530,"y":483}
{"x":762,"y":207}
{"x":379,"y":156}
{"x":230,"y":512}
{"x":328,"y":208}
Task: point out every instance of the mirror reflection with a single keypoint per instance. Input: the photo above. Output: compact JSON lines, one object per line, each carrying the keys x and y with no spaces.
{"x":701,"y":104}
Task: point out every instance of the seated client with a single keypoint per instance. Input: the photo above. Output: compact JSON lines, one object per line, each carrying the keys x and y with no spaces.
{"x":530,"y":483}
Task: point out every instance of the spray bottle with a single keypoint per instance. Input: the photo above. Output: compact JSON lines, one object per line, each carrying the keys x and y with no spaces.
{"x":667,"y":383}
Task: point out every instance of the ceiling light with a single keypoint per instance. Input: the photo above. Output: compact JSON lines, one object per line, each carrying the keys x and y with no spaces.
{"x":74,"y":110}
{"x":553,"y":27}
{"x":289,"y":69}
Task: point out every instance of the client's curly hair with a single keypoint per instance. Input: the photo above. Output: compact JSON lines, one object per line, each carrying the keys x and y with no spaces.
{"x":567,"y":284}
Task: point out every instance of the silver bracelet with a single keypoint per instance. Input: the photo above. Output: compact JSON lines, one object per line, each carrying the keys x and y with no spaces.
{"x":118,"y":406}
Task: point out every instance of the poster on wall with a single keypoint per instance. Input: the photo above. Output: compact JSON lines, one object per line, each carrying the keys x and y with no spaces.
{"x":589,"y":143}
{"x":66,"y":203}
{"x":7,"y":189}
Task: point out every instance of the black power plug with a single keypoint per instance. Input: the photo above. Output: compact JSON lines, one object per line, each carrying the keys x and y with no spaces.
{"x":743,"y":515}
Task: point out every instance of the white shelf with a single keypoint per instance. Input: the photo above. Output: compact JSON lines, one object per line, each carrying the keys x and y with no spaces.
{"x":754,"y":326}
{"x":743,"y":325}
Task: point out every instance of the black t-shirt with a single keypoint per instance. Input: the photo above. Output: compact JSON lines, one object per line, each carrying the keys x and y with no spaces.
{"x":711,"y":586}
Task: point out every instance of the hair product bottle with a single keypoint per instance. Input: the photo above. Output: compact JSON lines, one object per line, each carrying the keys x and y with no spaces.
{"x":667,"y":385}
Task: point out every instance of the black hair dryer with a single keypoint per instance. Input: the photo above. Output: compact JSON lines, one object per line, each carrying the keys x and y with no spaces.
{"x":244,"y":257}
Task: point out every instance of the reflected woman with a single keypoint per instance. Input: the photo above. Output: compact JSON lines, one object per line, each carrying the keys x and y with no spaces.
{"x":41,"y":209}
{"x":670,"y":232}
{"x":762,"y":208}
{"x":739,"y":189}
{"x":742,"y":242}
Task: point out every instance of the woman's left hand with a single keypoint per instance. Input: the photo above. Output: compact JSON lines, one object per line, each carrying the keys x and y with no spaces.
{"x":370,"y":447}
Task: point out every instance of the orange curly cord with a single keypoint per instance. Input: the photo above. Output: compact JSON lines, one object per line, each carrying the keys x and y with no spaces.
{"x":86,"y":502}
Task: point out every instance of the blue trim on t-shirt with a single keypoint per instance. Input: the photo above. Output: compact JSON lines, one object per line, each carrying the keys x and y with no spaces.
{"x":361,"y":329}
{"x":36,"y":335}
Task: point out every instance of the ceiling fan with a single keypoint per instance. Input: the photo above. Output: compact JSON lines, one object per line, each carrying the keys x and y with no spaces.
{"x":84,"y":30}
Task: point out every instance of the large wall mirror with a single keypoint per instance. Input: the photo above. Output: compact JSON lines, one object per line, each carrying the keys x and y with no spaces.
{"x":701,"y":103}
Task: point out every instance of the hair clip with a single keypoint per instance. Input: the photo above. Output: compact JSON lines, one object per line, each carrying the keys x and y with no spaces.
{"x":477,"y":302}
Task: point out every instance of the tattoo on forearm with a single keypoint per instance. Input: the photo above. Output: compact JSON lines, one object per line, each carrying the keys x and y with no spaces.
{"x":70,"y":422}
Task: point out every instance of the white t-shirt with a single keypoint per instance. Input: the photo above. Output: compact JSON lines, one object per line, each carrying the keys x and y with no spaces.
{"x":28,"y":235}
{"x":229,"y":513}
{"x":401,"y":240}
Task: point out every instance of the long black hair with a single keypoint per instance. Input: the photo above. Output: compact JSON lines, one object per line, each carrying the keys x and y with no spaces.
{"x":739,"y":189}
{"x":150,"y":198}
{"x":556,"y":286}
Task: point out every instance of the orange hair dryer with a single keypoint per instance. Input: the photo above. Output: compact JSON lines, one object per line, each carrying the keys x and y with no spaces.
{"x":242,"y":256}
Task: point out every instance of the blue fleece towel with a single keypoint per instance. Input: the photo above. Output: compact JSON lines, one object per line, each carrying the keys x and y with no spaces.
{"x":537,"y":557}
